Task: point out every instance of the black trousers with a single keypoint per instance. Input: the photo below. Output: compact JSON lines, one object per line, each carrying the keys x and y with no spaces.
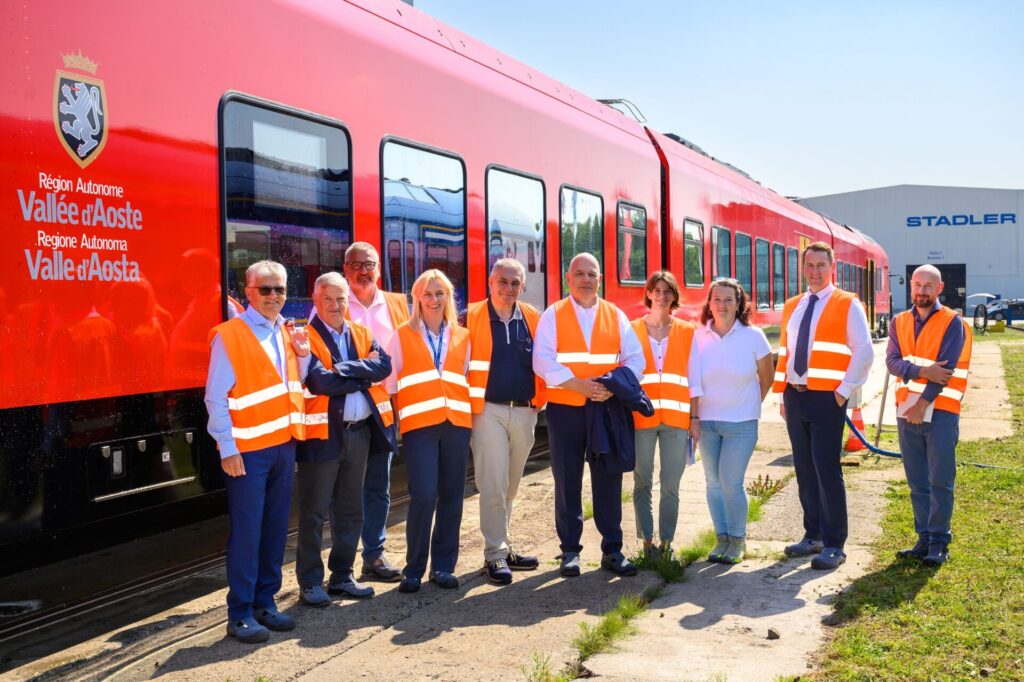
{"x":567,"y":433}
{"x":815,"y":423}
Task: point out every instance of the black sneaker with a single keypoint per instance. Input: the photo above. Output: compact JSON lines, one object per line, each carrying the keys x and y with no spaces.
{"x":498,"y":572}
{"x":446,"y":581}
{"x":521,"y":562}
{"x":918,"y":551}
{"x":938,"y":554}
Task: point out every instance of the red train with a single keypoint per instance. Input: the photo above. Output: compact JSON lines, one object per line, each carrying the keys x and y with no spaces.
{"x":151,"y":155}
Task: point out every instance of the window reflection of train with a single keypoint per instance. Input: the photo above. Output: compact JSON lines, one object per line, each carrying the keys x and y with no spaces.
{"x":102,"y":417}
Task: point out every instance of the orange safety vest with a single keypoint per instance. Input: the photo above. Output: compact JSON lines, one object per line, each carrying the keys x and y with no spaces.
{"x":316,"y":405}
{"x":830,"y":352}
{"x":571,"y":348}
{"x":924,"y":350}
{"x":425,"y":396}
{"x":265,"y":410}
{"x":398,"y":308}
{"x":668,"y":390}
{"x":478,"y":322}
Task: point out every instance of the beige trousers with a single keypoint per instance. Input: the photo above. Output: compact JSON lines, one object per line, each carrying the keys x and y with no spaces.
{"x":501,"y":442}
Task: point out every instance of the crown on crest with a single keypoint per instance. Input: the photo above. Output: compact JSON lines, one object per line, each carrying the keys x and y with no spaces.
{"x":80,"y":62}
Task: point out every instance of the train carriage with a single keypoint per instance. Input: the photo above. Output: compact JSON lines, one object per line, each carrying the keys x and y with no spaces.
{"x":151,"y":156}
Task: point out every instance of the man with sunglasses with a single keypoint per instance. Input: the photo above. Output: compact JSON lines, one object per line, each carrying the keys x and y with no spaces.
{"x":382,"y":312}
{"x":504,"y":406}
{"x":255,"y":402}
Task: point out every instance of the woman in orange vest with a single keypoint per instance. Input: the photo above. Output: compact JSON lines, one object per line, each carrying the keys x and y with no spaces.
{"x":430,"y":359}
{"x":672,"y":382}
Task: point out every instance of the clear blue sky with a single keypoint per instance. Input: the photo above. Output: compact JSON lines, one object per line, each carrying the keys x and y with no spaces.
{"x":808,"y":97}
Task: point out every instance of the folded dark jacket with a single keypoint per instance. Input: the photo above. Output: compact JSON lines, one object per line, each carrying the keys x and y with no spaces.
{"x":610,"y":430}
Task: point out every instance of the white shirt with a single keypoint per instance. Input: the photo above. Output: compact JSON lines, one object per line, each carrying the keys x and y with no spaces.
{"x":858,"y":337}
{"x":545,"y":353}
{"x":428,"y":337}
{"x":376,"y":317}
{"x":728,"y":366}
{"x":693,"y":368}
{"x":357,"y":408}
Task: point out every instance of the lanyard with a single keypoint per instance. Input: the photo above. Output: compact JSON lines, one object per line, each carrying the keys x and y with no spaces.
{"x":436,"y":350}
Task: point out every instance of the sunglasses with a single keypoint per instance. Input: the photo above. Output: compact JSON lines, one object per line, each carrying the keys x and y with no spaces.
{"x":267,"y":291}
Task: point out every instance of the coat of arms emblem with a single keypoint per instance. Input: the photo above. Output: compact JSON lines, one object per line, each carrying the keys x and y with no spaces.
{"x":80,"y":110}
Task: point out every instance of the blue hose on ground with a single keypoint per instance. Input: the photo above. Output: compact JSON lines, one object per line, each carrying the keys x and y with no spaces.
{"x":869,"y":446}
{"x":887,"y":453}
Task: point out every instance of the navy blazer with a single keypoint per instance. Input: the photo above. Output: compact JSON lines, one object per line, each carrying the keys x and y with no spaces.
{"x":346,"y":377}
{"x":610,"y":428}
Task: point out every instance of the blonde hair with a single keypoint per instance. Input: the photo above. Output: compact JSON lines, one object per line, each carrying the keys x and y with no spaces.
{"x":418,"y":287}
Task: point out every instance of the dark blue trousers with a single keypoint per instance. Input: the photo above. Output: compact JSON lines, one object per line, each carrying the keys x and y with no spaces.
{"x":436,"y":459}
{"x":815,"y":423}
{"x":258,"y":506}
{"x":567,"y":434}
{"x":376,"y":503}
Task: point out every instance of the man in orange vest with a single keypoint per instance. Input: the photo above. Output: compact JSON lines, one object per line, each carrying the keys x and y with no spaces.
{"x":824,"y":354}
{"x":504,"y":405}
{"x":578,"y":339}
{"x":382,"y":312}
{"x":348,"y":415}
{"x":930,"y":353}
{"x":254,"y":398}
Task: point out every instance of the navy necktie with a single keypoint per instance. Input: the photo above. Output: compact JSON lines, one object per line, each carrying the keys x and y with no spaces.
{"x":803,"y":338}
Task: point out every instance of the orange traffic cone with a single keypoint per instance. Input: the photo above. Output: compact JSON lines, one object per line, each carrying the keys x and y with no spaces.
{"x":853,"y":443}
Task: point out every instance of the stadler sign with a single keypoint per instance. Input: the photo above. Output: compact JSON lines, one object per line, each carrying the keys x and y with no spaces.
{"x":960,"y":220}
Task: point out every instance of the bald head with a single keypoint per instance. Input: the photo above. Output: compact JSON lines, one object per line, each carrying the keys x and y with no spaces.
{"x":929,"y":272}
{"x":584,"y":278}
{"x":925,"y":287}
{"x":589,"y":258}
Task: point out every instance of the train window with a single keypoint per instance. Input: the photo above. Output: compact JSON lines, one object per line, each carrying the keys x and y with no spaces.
{"x":763,"y":271}
{"x":515,"y":226}
{"x":693,"y":253}
{"x":793,"y":264}
{"x":848,"y":276}
{"x":878,"y":279}
{"x":778,"y":275}
{"x":582,"y":228}
{"x":632,"y":244}
{"x":839,"y":274}
{"x":743,"y":270}
{"x":424,"y":210}
{"x":721,"y":246}
{"x":287,"y":188}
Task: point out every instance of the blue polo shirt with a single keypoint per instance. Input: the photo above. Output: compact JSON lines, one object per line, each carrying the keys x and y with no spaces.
{"x":511,"y":374}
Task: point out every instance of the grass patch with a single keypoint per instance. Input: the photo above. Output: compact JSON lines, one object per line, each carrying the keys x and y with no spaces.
{"x":588,"y":509}
{"x":699,"y":548}
{"x":593,"y":639}
{"x":906,"y":621}
{"x":541,"y":670}
{"x":627,"y":495}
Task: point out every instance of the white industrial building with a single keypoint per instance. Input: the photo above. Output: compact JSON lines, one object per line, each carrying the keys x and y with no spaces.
{"x":973,"y":235}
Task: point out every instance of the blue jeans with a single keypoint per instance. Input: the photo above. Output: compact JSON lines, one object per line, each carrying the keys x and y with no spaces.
{"x":929,"y":461}
{"x":376,"y":503}
{"x":725,"y":449}
{"x":672,"y":452}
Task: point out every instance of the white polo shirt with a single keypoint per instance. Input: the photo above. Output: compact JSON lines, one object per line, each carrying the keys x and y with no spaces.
{"x":728,"y":367}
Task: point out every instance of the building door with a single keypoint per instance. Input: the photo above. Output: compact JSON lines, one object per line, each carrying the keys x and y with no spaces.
{"x":954,"y":295}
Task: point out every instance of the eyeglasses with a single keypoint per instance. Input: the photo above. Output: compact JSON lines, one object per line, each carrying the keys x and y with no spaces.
{"x":362,"y":265}
{"x":267,"y":291}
